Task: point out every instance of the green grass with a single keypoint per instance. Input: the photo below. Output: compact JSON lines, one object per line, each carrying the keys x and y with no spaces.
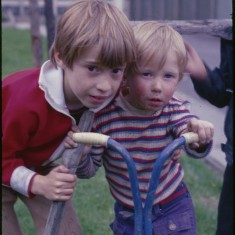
{"x":17,"y":50}
{"x":92,"y":199}
{"x":94,"y":203}
{"x":204,"y":183}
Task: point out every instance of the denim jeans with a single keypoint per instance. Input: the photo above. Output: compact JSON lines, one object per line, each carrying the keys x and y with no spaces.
{"x":172,"y":219}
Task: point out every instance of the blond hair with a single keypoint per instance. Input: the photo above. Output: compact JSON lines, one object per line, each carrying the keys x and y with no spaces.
{"x":154,"y":40}
{"x":88,"y":22}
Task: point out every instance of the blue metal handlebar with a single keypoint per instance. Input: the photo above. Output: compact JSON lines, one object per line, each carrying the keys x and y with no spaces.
{"x":114,"y":145}
{"x":142,"y":216}
{"x":154,"y":181}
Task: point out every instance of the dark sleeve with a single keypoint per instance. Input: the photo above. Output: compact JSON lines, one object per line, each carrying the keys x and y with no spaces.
{"x":217,"y":87}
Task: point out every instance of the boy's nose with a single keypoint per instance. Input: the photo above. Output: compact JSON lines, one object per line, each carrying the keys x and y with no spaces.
{"x":156,"y":86}
{"x":104,"y":84}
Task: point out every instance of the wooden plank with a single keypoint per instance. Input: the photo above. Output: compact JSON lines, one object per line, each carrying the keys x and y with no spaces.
{"x":217,"y":28}
{"x":35,"y":33}
{"x":70,"y":159}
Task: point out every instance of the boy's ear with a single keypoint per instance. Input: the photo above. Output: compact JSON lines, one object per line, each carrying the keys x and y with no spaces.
{"x":59,"y":61}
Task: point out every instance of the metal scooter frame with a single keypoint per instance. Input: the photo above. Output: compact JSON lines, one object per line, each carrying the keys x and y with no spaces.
{"x":141,"y":215}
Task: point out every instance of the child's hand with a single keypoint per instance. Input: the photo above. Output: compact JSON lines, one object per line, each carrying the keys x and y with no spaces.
{"x":205,"y":131}
{"x":58,"y":185}
{"x":69,"y":142}
{"x":176,"y":155}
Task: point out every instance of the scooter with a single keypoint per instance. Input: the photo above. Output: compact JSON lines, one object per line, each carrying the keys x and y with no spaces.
{"x":142,"y":215}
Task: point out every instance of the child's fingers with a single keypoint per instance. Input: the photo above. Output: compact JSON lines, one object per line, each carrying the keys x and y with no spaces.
{"x":87,"y":148}
{"x":62,"y":197}
{"x":75,"y":128}
{"x":194,"y":145}
{"x":206,"y":132}
{"x":65,"y":184}
{"x":176,"y":155}
{"x":204,"y":129}
{"x":62,"y":177}
{"x":210,"y":132}
{"x":70,"y":134}
{"x":69,"y":185}
{"x":61,"y":194}
{"x":193,"y":125}
{"x":202,"y":136}
{"x":60,"y":168}
{"x":70,"y":143}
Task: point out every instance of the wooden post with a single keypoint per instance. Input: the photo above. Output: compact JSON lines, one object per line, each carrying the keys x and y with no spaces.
{"x":35,"y":32}
{"x":50,"y":22}
{"x":217,"y":28}
{"x":70,"y":159}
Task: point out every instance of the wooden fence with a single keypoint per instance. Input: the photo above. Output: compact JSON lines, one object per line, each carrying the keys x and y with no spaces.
{"x":217,"y":28}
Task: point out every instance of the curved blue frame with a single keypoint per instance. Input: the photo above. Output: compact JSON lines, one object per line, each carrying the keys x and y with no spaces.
{"x":164,"y":156}
{"x":114,"y":145}
{"x":143,"y":215}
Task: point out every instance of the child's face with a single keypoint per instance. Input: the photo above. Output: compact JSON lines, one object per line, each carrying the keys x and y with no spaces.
{"x":88,"y":83}
{"x":152,"y":88}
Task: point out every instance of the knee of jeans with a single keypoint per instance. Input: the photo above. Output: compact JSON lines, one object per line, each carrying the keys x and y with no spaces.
{"x":119,"y":228}
{"x":123,"y":223}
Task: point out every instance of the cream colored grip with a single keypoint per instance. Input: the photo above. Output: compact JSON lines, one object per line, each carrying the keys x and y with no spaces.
{"x":91,"y":138}
{"x":191,"y":137}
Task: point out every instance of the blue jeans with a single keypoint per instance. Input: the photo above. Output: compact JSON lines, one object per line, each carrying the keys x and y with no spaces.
{"x":176,"y":217}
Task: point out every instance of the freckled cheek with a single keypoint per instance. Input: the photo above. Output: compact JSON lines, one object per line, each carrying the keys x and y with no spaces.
{"x":139,"y":91}
{"x":169,"y":93}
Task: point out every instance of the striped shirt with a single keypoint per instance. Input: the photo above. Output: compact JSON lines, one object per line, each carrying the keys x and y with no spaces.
{"x":144,"y":137}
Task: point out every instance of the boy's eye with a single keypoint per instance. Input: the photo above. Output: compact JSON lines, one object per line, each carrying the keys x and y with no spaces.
{"x":92,"y":68}
{"x":117,"y":71}
{"x":169,"y":75}
{"x":147,"y":74}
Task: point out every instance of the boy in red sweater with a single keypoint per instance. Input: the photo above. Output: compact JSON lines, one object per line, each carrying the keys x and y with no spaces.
{"x":93,"y":44}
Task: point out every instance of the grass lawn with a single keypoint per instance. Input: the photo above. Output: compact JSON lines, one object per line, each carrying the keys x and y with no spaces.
{"x":17,"y":50}
{"x":92,"y":199}
{"x":94,"y":203}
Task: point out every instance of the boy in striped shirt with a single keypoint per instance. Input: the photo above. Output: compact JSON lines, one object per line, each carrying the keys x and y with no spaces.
{"x":145,"y":118}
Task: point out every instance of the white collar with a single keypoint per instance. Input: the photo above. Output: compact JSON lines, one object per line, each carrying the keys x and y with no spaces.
{"x":51,"y":82}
